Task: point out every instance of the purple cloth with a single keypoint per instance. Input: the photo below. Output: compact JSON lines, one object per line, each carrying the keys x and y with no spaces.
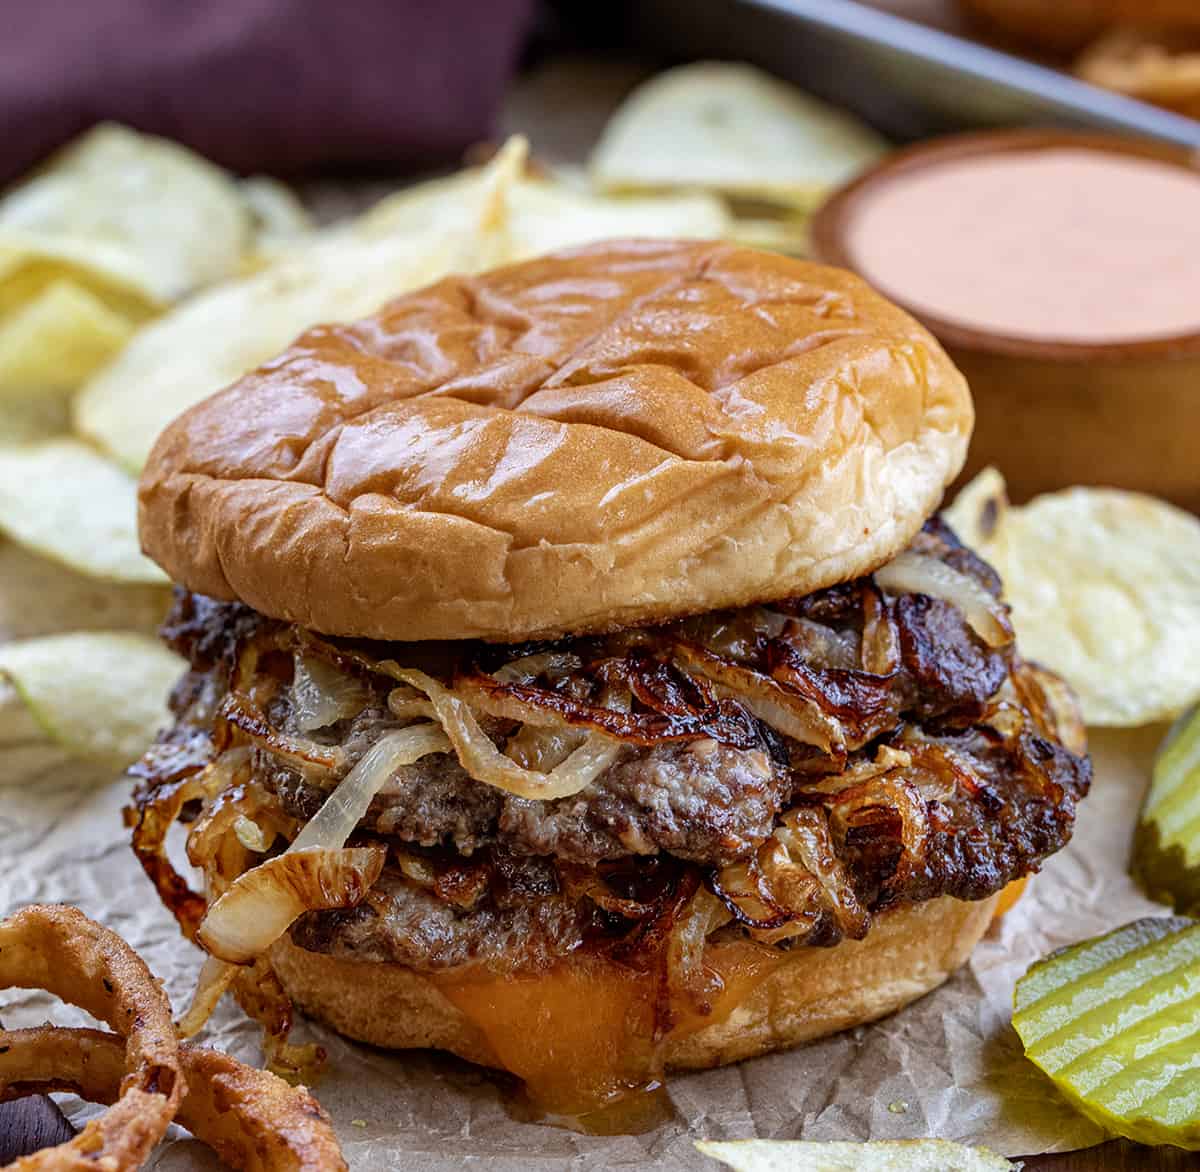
{"x":283,"y":86}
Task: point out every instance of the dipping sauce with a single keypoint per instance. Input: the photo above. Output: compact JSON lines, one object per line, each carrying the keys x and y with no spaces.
{"x":1058,"y":244}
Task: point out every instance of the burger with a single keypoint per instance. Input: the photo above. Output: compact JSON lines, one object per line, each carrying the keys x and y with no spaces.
{"x":580,"y":679}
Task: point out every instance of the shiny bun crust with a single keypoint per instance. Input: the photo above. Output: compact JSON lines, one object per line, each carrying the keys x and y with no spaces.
{"x":607,"y":436}
{"x":816,"y":991}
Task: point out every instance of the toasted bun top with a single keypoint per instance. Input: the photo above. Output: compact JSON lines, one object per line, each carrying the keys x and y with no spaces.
{"x":610,"y":435}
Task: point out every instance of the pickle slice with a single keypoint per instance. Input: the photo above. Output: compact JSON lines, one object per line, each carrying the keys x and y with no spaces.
{"x":1166,"y":854}
{"x":1115,"y":1022}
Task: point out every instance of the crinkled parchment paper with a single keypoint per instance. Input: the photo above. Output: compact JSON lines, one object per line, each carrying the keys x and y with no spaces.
{"x":948,"y":1066}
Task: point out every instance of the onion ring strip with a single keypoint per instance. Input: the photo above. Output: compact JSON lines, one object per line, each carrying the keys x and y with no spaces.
{"x":249,"y":1117}
{"x":60,"y":950}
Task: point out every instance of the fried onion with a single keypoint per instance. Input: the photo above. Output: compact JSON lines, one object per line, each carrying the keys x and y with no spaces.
{"x":60,"y":950}
{"x":321,"y":694}
{"x":918,"y":573}
{"x":784,"y":710}
{"x":238,"y":710}
{"x":484,"y":762}
{"x":342,"y":811}
{"x":250,"y":1118}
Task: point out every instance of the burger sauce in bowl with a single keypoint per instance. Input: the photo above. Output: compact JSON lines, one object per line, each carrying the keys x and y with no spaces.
{"x":1059,"y":245}
{"x":1062,"y":272}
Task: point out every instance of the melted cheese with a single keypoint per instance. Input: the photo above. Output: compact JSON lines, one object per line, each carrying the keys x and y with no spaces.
{"x":582,"y":1036}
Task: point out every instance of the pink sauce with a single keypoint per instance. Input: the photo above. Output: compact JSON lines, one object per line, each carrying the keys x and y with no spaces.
{"x":1059,"y":244}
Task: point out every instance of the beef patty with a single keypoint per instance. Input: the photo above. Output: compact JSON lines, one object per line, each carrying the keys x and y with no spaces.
{"x":983,"y":791}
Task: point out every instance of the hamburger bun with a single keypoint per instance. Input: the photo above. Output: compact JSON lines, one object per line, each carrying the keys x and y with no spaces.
{"x":613,"y":435}
{"x":1066,"y":25}
{"x":909,"y":950}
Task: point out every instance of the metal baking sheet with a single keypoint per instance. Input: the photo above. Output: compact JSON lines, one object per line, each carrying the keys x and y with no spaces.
{"x":908,"y":80}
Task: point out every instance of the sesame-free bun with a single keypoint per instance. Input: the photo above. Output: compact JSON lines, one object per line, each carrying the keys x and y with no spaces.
{"x":607,"y":436}
{"x":909,"y":950}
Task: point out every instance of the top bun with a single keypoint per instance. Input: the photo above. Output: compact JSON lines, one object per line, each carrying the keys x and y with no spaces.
{"x":607,"y":436}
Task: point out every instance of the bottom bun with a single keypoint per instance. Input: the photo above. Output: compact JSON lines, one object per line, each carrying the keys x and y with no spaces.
{"x":816,"y":991}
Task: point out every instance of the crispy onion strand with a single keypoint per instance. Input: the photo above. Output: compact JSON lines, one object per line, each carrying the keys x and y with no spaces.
{"x":60,"y":950}
{"x":250,"y":1118}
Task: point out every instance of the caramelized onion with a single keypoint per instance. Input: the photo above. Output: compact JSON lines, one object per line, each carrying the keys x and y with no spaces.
{"x":314,"y":872}
{"x":738,"y":887}
{"x":322,"y":695}
{"x":252,"y":836}
{"x":216,"y":976}
{"x":886,"y":759}
{"x":157,"y":811}
{"x":214,"y":845}
{"x":918,"y":573}
{"x":793,"y":879}
{"x":346,"y":807}
{"x":543,"y":748}
{"x":545,"y":663}
{"x":880,"y":639}
{"x":407,"y":703}
{"x":804,"y":834}
{"x":687,"y":978}
{"x":1053,"y":706}
{"x":240,"y":711}
{"x":263,"y":903}
{"x":484,"y":762}
{"x":894,"y":793}
{"x":772,"y":702}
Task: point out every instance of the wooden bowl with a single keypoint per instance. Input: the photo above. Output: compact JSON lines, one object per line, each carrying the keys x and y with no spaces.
{"x":1050,"y":413}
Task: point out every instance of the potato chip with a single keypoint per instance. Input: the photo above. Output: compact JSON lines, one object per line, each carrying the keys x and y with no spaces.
{"x":28,"y":755}
{"x":1105,"y":591}
{"x":734,"y":129}
{"x":979,"y":515}
{"x":786,"y":234}
{"x":182,"y":220}
{"x":544,"y":215}
{"x":905,"y":1155}
{"x":67,"y":502}
{"x":41,"y":597}
{"x":100,"y":696}
{"x":547,"y":216}
{"x":30,"y":263}
{"x":345,"y":272}
{"x":26,"y":421}
{"x":51,"y":344}
{"x":280,"y":220}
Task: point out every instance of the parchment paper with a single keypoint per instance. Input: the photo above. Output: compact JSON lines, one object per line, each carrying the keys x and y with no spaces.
{"x":948,"y":1066}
